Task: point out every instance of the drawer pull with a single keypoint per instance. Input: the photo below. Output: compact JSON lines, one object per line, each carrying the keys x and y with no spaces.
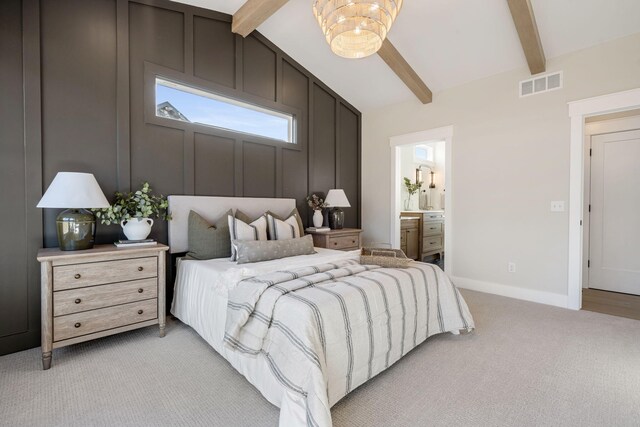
{"x":140,"y":268}
{"x":335,"y":243}
{"x":77,"y":325}
{"x":432,"y":243}
{"x":140,"y":311}
{"x":77,"y":276}
{"x":78,"y":301}
{"x":353,"y":241}
{"x":140,"y":290}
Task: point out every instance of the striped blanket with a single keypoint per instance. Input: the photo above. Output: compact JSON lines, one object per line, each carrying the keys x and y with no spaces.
{"x":326,"y":329}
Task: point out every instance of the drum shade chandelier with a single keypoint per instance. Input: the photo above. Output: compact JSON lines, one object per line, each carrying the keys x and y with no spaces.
{"x":356,"y":28}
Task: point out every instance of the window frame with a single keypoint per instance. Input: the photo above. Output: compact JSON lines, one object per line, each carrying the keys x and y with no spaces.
{"x":226,"y":94}
{"x":421,"y":160}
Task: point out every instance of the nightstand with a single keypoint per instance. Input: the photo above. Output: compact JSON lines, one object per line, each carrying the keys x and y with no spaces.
{"x":97,"y":292}
{"x":345,"y":239}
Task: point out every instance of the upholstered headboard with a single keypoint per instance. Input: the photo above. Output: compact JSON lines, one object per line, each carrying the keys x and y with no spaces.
{"x":212,"y":208}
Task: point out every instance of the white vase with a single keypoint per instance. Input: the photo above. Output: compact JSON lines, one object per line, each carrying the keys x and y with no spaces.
{"x":407,"y":203}
{"x":317,"y":218}
{"x":136,"y":228}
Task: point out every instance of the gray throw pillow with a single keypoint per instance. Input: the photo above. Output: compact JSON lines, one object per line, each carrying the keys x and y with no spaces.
{"x":208,"y":241}
{"x":266,"y":250}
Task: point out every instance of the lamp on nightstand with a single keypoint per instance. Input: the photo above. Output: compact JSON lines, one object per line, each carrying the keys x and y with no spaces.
{"x":77,"y":192}
{"x":336,"y":199}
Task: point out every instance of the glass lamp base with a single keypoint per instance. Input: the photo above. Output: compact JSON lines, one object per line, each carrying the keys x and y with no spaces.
{"x":336,"y":219}
{"x":76,"y":229}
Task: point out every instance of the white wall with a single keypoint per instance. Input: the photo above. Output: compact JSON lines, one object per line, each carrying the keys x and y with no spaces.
{"x":510,"y":159}
{"x":407,"y":169}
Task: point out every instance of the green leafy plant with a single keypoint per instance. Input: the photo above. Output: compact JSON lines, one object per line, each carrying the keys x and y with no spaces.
{"x":412,"y":188}
{"x":139,"y":204}
{"x":315,"y":202}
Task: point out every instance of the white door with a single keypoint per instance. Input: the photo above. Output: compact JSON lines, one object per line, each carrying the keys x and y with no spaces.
{"x":614,"y":250}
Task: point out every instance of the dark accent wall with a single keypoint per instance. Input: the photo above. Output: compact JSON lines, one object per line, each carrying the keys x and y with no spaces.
{"x":74,"y":79}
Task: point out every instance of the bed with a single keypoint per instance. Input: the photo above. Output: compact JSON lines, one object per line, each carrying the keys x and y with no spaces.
{"x":307,"y":330}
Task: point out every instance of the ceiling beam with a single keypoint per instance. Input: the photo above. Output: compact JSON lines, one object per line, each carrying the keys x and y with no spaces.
{"x":401,"y":67}
{"x":525,"y":21}
{"x":253,"y":13}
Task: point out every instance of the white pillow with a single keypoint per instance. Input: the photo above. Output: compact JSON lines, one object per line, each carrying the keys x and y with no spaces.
{"x":283,"y":229}
{"x":241,"y":229}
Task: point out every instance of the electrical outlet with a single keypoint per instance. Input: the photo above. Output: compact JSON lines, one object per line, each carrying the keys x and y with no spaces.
{"x":557,"y":206}
{"x":511,"y":267}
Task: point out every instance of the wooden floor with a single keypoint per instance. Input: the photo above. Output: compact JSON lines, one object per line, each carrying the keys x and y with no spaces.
{"x":613,"y":303}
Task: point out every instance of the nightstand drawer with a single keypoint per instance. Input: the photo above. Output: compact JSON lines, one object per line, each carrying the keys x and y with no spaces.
{"x":344,"y":242}
{"x":91,"y":298}
{"x":432,"y":228}
{"x":74,"y":325}
{"x":431,"y":243}
{"x":98,"y":273}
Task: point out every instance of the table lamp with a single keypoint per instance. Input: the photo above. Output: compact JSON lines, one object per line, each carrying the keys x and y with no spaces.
{"x":77,"y":192}
{"x":336,"y":199}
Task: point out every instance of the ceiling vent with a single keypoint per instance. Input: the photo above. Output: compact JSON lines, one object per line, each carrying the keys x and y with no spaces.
{"x":540,"y":84}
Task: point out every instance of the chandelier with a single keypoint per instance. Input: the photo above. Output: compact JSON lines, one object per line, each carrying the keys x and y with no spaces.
{"x":356,"y":28}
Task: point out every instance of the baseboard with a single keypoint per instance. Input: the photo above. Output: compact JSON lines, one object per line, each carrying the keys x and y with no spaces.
{"x":532,"y":295}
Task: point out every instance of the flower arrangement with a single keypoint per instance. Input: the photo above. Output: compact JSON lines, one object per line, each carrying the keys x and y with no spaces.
{"x":412,"y":188}
{"x":316,"y":203}
{"x":139,"y":204}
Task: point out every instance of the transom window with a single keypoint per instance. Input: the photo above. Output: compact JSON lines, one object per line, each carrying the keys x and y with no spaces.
{"x":177,"y":101}
{"x":423,"y":153}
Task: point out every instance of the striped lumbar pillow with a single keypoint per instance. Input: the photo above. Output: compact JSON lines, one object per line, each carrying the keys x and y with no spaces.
{"x":242,"y":228}
{"x":286,"y":229}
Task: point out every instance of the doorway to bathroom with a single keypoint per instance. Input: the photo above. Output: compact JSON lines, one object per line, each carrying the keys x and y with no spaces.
{"x":421,"y":195}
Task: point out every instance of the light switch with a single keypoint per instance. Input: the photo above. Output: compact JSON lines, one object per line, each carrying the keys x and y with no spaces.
{"x":557,"y":206}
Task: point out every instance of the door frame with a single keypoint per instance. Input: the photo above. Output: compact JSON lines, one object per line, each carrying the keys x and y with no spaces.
{"x":578,"y":112}
{"x":445,"y":134}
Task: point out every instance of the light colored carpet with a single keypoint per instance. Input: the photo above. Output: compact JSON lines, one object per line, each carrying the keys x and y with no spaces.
{"x":526,"y":364}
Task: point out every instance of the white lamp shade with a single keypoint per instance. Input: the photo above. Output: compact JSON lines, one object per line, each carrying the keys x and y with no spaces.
{"x":337,"y":199}
{"x":74,"y":190}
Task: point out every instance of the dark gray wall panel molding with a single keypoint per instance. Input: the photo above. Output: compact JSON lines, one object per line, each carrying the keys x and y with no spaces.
{"x":323,"y":136}
{"x":348,"y":176}
{"x":155,"y":35}
{"x":259,"y":170}
{"x":78,"y":97}
{"x":77,"y":79}
{"x":214,"y":165}
{"x":20,"y":174}
{"x":13,"y":225}
{"x":214,"y":51}
{"x":158,"y":157}
{"x":259,"y":68}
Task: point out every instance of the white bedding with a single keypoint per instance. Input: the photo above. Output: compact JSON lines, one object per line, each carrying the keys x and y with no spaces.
{"x":200,"y":301}
{"x":410,"y":310}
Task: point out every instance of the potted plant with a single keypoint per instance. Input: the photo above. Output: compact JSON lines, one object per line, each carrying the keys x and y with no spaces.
{"x":317,"y":204}
{"x":133,"y":211}
{"x":412,"y":188}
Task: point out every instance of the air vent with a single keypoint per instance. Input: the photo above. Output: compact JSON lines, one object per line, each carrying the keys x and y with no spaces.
{"x":541,"y":84}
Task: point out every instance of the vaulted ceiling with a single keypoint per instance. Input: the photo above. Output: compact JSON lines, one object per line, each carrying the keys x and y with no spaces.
{"x":447,"y":42}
